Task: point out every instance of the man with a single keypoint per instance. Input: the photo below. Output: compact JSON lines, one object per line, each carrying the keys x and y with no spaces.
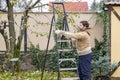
{"x":83,"y":47}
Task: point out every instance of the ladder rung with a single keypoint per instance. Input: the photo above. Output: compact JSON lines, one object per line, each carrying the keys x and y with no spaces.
{"x":59,"y":23}
{"x":65,"y":49}
{"x":51,"y":53}
{"x":67,"y":69}
{"x":73,"y":78}
{"x":69,"y":59}
{"x":63,"y":40}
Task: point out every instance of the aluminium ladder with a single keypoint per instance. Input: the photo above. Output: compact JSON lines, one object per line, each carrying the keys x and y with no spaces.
{"x":64,"y":47}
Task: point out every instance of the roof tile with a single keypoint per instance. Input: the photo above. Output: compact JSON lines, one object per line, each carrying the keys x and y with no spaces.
{"x":75,"y":6}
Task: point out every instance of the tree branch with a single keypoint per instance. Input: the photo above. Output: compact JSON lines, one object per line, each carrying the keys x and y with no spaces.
{"x":40,"y":6}
{"x":34,"y":4}
{"x":4,"y":34}
{"x":3,"y":10}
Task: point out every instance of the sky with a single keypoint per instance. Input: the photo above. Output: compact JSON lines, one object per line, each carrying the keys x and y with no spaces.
{"x":47,"y":1}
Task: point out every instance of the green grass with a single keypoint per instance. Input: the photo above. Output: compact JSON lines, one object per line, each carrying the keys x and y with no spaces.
{"x":33,"y":75}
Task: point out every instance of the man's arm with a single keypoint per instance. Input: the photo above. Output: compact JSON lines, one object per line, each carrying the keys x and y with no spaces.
{"x":70,"y":35}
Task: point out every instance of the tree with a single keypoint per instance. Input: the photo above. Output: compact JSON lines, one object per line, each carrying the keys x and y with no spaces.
{"x":13,"y":44}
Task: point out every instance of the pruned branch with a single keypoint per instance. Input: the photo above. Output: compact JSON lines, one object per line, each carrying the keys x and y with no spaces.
{"x":3,"y":10}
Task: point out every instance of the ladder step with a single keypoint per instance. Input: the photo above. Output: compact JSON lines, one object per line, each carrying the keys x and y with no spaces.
{"x":67,"y":69}
{"x":73,"y":78}
{"x":60,"y":50}
{"x":63,"y":40}
{"x":69,"y":59}
{"x":59,"y":23}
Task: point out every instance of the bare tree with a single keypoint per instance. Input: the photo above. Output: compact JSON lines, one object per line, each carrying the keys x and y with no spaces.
{"x":13,"y":44}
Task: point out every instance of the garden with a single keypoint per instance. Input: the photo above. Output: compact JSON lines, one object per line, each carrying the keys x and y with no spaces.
{"x":30,"y":64}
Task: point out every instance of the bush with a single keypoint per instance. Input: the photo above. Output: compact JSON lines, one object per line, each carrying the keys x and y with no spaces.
{"x":37,"y":56}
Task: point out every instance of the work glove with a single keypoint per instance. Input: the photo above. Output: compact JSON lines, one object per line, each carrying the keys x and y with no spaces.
{"x":57,"y":31}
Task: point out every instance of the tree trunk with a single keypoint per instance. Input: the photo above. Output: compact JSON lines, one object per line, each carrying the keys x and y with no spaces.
{"x":15,"y":45}
{"x":12,"y":34}
{"x":11,"y":26}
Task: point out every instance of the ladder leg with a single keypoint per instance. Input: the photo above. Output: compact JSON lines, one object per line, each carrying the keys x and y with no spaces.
{"x":44,"y":59}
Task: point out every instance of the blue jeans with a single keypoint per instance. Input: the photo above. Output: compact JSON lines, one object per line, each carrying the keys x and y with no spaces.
{"x":84,"y":67}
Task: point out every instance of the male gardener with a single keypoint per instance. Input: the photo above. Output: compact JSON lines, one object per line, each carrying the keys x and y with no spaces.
{"x":83,"y":46}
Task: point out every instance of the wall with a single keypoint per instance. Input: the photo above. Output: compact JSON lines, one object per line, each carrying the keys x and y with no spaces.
{"x":115,"y":40}
{"x":96,"y":25}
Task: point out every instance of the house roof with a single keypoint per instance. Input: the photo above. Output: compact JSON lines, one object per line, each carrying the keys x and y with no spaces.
{"x":75,"y":6}
{"x":113,"y":3}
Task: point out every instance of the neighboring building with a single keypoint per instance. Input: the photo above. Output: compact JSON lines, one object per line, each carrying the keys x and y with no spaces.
{"x":72,"y":6}
{"x":114,"y":27}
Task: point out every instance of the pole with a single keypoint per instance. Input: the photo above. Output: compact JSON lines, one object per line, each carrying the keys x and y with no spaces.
{"x":25,"y":40}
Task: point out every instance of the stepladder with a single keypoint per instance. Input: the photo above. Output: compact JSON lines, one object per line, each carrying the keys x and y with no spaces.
{"x":67,"y":60}
{"x":67,"y":63}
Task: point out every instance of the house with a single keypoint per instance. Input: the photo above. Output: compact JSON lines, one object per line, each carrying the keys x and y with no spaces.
{"x":72,"y":6}
{"x":114,"y":29}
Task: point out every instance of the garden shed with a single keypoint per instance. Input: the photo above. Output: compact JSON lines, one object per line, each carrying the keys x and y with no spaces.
{"x":114,"y":29}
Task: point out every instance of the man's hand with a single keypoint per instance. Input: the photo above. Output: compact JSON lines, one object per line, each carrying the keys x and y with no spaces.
{"x":57,"y":31}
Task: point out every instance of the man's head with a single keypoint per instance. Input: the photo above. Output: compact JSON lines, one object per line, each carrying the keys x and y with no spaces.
{"x":84,"y":25}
